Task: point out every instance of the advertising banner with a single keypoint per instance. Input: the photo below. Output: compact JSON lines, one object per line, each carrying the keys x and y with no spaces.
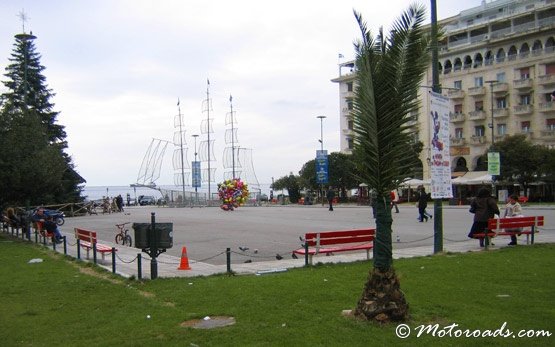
{"x":440,"y":161}
{"x":322,"y":167}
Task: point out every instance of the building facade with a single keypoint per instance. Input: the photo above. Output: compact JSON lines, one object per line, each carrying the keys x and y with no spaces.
{"x":497,"y":65}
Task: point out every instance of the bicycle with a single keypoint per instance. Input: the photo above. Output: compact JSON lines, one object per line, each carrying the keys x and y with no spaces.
{"x":123,"y":236}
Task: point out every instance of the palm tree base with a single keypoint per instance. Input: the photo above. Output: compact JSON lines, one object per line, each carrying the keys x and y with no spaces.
{"x":382,"y":300}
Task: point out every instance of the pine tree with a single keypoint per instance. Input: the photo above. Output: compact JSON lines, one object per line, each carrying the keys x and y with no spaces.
{"x":35,"y":168}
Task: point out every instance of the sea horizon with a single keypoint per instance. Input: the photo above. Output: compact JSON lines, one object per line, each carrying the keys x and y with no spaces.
{"x":91,"y":192}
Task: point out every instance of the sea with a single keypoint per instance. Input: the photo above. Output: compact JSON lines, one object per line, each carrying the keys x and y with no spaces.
{"x":98,"y":192}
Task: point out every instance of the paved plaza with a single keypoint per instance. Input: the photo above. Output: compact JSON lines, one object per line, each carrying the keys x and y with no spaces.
{"x":268,"y":231}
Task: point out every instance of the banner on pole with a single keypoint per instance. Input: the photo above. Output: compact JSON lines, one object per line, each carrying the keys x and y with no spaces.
{"x":494,"y":164}
{"x":322,"y":167}
{"x":196,"y":174}
{"x":440,"y":161}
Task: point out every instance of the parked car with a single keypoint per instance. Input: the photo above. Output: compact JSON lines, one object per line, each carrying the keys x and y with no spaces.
{"x":146,"y":200}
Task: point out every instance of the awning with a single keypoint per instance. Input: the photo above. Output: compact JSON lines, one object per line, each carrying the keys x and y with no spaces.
{"x":473,"y":178}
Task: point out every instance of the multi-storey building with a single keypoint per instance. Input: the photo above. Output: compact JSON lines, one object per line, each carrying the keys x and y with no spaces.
{"x":497,"y":65}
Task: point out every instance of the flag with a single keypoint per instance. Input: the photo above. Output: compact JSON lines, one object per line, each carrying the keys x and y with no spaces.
{"x":177,"y":101}
{"x":340,"y":56}
{"x":230,"y":98}
{"x":208,"y":81}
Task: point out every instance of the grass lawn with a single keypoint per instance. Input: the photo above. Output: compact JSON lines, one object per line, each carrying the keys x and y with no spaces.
{"x":61,"y":301}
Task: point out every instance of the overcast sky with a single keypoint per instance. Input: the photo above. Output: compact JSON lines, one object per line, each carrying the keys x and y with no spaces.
{"x":118,"y":68}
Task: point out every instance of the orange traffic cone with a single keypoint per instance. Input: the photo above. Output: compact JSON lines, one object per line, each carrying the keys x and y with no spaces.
{"x":184,"y":265}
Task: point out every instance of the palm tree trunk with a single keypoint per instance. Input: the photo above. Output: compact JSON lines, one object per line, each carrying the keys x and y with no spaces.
{"x":382,"y":299}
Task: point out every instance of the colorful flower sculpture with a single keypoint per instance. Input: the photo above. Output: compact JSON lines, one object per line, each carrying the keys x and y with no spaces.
{"x":233,"y":193}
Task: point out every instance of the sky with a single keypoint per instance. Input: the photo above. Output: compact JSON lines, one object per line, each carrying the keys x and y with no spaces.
{"x":118,"y":68}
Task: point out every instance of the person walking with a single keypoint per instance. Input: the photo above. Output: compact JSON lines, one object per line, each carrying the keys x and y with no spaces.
{"x":513,"y":209}
{"x":422,"y":204}
{"x":394,"y":199}
{"x":484,"y":207}
{"x":330,"y":195}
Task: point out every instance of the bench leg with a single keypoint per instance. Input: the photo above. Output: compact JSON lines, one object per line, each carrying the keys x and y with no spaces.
{"x":310,"y":258}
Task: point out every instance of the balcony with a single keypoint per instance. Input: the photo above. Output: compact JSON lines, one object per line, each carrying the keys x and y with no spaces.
{"x":456,"y":93}
{"x":456,"y":117}
{"x":547,"y":106}
{"x":529,"y":135}
{"x":546,"y":80}
{"x":500,"y":88}
{"x":477,"y":115}
{"x":548,"y":134}
{"x":500,"y":112}
{"x":523,"y":84}
{"x":477,"y":91}
{"x":522,"y":110}
{"x":477,"y":140}
{"x":457,"y":141}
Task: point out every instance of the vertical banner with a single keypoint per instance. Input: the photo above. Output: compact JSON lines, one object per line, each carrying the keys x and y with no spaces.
{"x":195,"y":165}
{"x":440,"y":165}
{"x":322,"y":167}
{"x":494,"y":164}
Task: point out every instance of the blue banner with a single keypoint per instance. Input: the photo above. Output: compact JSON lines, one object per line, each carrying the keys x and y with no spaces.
{"x":196,"y":174}
{"x":322,"y":167}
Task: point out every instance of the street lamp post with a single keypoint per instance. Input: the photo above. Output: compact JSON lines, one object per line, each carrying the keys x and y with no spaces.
{"x":321,"y":140}
{"x":196,"y":188}
{"x":321,"y":132}
{"x":491,"y":82}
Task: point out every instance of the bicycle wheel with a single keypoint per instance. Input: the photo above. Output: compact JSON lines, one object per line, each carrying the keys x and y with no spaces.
{"x":119,"y":239}
{"x":128,"y":241}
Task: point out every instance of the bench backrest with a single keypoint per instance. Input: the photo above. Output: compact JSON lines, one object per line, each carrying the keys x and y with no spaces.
{"x":515,"y":222}
{"x":85,"y":235}
{"x":338,"y":237}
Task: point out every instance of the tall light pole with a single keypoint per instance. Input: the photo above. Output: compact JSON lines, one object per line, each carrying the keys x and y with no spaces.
{"x":491,"y":82}
{"x":436,"y":87}
{"x":322,"y":151}
{"x":196,"y":184}
{"x":321,"y":132}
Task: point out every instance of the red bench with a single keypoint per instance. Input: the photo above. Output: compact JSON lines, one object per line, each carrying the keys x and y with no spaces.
{"x":87,"y":239}
{"x":325,"y":242}
{"x":512,"y":226}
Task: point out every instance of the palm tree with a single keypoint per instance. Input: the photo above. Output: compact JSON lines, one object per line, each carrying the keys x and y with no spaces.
{"x":389,"y":72}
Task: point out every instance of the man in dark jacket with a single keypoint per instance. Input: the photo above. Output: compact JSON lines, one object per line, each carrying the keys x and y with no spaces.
{"x":330,"y":195}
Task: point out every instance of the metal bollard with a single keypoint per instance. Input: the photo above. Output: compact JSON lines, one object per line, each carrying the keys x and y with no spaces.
{"x":113,"y":259}
{"x":228,"y":259}
{"x":139,"y":266}
{"x":305,"y":253}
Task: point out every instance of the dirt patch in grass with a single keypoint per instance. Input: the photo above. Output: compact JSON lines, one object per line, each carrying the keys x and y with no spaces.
{"x":209,"y":322}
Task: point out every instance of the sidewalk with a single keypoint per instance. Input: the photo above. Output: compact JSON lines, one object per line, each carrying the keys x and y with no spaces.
{"x":207,"y":232}
{"x":127,"y":265}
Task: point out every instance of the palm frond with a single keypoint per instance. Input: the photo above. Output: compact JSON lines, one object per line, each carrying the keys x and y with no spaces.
{"x":389,"y":73}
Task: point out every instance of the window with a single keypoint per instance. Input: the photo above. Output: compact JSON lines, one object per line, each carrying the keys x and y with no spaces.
{"x":478,"y":81}
{"x":525,"y":127}
{"x":457,"y":84}
{"x":524,"y":73}
{"x":350,"y":124}
{"x":550,"y":69}
{"x":525,"y":99}
{"x":501,"y":102}
{"x":350,"y":105}
{"x":479,"y":130}
{"x":459,"y":133}
{"x":550,"y":124}
{"x":458,"y":108}
{"x":501,"y":129}
{"x":350,"y":86}
{"x":501,"y":77}
{"x":479,"y":106}
{"x":349,"y":143}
